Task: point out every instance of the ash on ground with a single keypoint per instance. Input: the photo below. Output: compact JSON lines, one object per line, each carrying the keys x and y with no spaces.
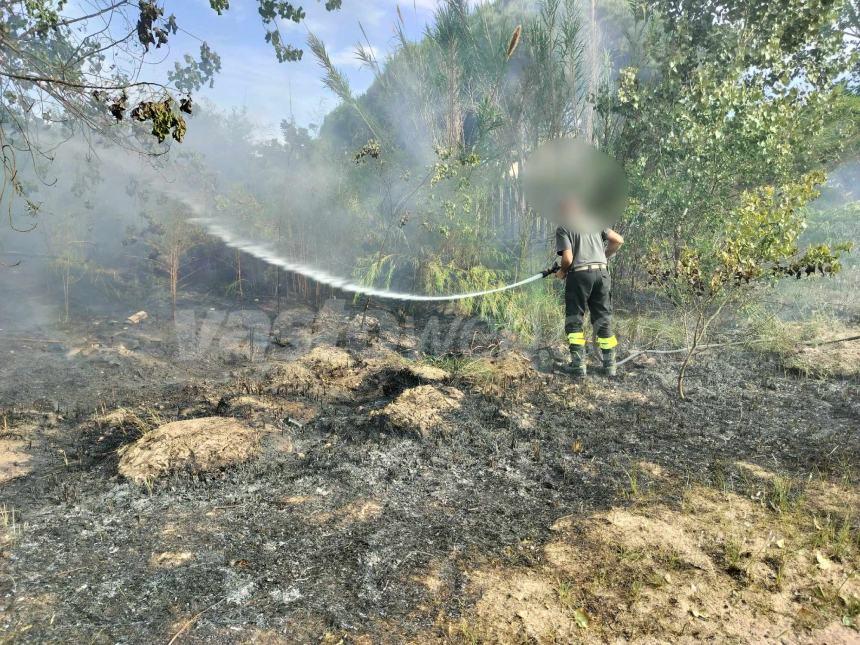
{"x":382,"y":494}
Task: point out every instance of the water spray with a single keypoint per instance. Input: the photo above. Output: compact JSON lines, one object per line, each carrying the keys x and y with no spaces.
{"x":267,"y":254}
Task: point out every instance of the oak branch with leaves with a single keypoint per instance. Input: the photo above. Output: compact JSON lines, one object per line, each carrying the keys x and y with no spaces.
{"x":72,"y":71}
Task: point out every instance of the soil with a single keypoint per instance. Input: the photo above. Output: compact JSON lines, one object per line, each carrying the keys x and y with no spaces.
{"x":374,"y":494}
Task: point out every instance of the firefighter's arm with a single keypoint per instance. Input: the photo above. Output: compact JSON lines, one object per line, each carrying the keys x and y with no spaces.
{"x":565,"y":263}
{"x":613,"y":242}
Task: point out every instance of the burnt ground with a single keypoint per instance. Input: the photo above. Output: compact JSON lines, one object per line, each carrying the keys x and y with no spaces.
{"x":486,"y":501}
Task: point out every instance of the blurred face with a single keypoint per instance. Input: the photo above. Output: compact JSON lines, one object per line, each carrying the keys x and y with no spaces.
{"x":576,"y":185}
{"x":575,"y":217}
{"x":569,"y":210}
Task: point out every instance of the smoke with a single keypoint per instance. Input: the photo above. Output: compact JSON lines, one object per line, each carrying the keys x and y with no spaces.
{"x":411,"y":220}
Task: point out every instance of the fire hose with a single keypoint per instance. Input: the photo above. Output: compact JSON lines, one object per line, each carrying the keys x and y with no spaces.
{"x":270,"y":256}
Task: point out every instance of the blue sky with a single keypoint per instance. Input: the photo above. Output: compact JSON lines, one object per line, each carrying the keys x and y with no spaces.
{"x":251,"y":76}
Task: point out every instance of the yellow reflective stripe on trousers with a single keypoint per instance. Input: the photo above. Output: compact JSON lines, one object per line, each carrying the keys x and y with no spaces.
{"x":607,"y":343}
{"x":576,"y":338}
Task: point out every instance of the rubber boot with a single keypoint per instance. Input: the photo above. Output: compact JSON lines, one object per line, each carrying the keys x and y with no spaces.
{"x":577,"y":367}
{"x":609,"y":367}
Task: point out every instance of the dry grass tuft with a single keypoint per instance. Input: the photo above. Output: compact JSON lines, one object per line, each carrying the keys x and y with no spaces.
{"x":499,"y":373}
{"x":422,"y":410}
{"x":126,"y":418}
{"x":195,"y":446}
{"x":328,"y":360}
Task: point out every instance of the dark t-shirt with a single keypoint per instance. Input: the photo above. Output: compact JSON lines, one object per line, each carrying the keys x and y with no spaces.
{"x":588,"y":248}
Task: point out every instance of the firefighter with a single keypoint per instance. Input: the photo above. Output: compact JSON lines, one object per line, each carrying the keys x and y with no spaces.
{"x":582,"y":190}
{"x":588,"y":287}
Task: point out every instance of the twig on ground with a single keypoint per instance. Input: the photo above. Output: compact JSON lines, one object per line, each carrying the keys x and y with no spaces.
{"x":193,"y":620}
{"x":831,"y":342}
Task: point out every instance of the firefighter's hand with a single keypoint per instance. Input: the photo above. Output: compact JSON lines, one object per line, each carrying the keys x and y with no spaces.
{"x":561,"y":274}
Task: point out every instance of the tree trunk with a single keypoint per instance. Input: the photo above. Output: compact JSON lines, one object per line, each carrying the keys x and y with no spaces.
{"x":239,"y":275}
{"x":67,"y":287}
{"x":698,"y":332}
{"x":278,"y":277}
{"x":173,"y":269}
{"x":592,"y":73}
{"x":454,"y":132}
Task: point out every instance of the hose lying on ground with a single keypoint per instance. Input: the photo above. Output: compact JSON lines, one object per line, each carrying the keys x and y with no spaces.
{"x":640,"y":352}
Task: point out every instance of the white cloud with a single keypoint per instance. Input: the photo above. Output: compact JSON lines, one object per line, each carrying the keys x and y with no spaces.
{"x":430,"y":5}
{"x":347,"y":57}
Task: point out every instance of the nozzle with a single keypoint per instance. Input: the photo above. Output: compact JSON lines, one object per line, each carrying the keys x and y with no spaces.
{"x":551,"y":271}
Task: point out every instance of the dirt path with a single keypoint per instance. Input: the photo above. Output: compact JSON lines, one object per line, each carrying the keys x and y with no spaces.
{"x":392,"y":501}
